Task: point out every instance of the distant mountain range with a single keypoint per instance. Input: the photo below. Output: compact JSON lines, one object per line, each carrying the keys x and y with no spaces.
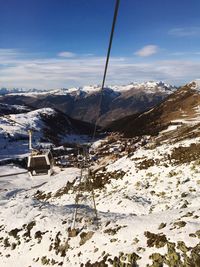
{"x":82,"y":103}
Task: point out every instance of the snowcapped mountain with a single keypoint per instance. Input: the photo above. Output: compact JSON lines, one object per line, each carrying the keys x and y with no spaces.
{"x":149,"y":87}
{"x":82,"y":103}
{"x":48,"y":126}
{"x":6,"y":91}
{"x":195,"y":85}
{"x":25,"y":121}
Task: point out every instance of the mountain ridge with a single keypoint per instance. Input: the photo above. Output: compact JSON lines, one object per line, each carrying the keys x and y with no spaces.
{"x":82,"y":103}
{"x":90,"y":88}
{"x":179,"y":109}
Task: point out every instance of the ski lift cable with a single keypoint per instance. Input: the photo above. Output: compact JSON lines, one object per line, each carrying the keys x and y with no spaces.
{"x":96,"y":122}
{"x":100,"y":100}
{"x":106,"y":65}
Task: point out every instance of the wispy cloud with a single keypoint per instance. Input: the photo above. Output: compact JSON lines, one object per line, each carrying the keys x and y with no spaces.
{"x":185,"y":31}
{"x":66,"y":54}
{"x":8,"y":54}
{"x":19,"y":70}
{"x":147,"y":51}
{"x":185,"y":53}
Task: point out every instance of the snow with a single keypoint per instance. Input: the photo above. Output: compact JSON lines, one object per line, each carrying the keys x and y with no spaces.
{"x":148,"y":87}
{"x":14,"y":136}
{"x":24,"y":121}
{"x":195,"y":84}
{"x":19,"y":108}
{"x":90,"y":88}
{"x":139,"y":201}
{"x":97,"y":144}
{"x":170,"y":128}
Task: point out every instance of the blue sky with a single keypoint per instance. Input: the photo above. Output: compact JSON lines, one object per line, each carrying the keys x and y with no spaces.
{"x":63,"y":43}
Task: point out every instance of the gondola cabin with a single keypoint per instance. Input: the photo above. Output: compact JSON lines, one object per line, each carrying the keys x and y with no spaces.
{"x":40,"y":163}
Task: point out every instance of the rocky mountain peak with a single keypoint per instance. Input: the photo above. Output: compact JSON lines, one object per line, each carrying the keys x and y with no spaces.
{"x":195,"y":85}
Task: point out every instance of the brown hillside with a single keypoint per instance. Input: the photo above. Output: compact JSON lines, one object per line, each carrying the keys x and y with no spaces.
{"x":178,"y":109}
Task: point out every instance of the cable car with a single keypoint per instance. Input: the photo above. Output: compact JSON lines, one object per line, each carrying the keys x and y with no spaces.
{"x":40,"y":163}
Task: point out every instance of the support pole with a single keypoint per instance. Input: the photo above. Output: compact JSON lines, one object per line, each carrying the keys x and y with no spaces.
{"x":30,"y":139}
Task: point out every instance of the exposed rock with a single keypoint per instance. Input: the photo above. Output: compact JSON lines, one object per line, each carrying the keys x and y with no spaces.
{"x":85,"y":237}
{"x":157,"y":240}
{"x":14,"y":232}
{"x":161,"y":226}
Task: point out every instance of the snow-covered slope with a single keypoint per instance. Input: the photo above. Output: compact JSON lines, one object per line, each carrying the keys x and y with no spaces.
{"x":147,"y":193}
{"x":48,"y":126}
{"x":14,"y":131}
{"x":148,"y":212}
{"x":6,"y":109}
{"x":25,"y":121}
